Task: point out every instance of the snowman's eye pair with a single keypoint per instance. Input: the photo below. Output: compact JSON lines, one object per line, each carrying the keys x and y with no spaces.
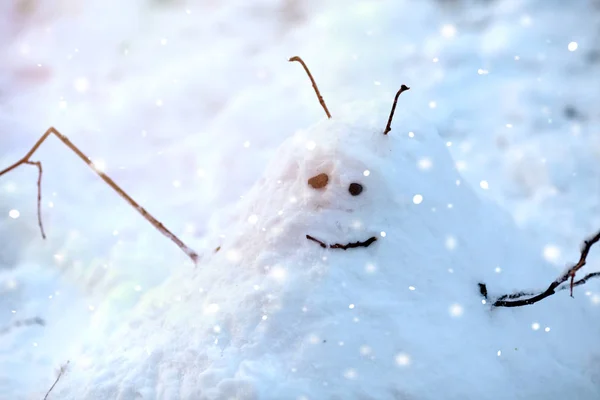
{"x":321,"y":180}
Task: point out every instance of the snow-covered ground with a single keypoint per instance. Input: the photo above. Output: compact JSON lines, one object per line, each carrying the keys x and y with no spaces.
{"x":184,"y":104}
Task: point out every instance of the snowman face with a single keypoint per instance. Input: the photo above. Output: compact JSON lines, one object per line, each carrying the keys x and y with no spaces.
{"x":335,"y":185}
{"x":319,"y":183}
{"x":333,"y":175}
{"x":331,"y":181}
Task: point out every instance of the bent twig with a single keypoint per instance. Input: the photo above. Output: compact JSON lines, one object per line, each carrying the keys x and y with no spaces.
{"x":157,"y":224}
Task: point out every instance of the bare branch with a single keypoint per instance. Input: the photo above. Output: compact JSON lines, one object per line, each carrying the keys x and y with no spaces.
{"x":519,"y":295}
{"x":39,"y":196}
{"x":366,"y":243}
{"x":323,"y":245}
{"x":526,"y":298}
{"x":314,"y":84}
{"x":157,"y":224}
{"x":62,"y":370}
{"x":388,"y":127}
{"x":582,"y":280}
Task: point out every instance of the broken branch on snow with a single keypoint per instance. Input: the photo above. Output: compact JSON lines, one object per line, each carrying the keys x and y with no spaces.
{"x":157,"y":224}
{"x":518,"y":300}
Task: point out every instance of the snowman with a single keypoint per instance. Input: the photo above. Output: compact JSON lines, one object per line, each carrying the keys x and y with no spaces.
{"x":350,"y":271}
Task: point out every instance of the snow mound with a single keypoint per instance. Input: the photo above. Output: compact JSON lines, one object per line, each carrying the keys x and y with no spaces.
{"x":273,"y":315}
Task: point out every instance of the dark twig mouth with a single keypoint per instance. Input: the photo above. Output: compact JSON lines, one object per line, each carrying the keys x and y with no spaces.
{"x":347,"y":246}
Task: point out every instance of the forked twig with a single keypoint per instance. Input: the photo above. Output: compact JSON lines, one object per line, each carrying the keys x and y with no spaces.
{"x":517,"y":300}
{"x":388,"y":127}
{"x":62,"y":370}
{"x":366,"y":243}
{"x":314,"y":84}
{"x":157,"y":224}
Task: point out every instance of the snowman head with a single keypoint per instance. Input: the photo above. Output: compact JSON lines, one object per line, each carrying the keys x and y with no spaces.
{"x":348,"y":181}
{"x":335,"y":177}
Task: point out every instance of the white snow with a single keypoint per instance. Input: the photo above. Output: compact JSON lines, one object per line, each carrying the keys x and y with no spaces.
{"x":193,"y":109}
{"x":173,"y":350}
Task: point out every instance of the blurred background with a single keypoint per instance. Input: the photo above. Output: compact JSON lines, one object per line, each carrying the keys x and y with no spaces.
{"x":183,"y":102}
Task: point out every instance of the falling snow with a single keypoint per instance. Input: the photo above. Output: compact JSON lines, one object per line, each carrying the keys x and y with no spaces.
{"x":189,"y":139}
{"x":551,"y":253}
{"x":403,"y":359}
{"x":456,"y":310}
{"x":425,"y":163}
{"x":448,"y":30}
{"x":450,"y":242}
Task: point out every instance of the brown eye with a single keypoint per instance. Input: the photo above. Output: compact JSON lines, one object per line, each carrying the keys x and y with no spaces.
{"x":355,"y":189}
{"x":318,"y":181}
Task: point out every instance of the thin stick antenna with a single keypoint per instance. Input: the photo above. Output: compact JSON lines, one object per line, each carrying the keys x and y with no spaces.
{"x":157,"y":224}
{"x":388,"y":127}
{"x":314,"y":84}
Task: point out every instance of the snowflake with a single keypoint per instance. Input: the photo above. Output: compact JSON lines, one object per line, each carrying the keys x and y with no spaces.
{"x":450,"y":242}
{"x":551,"y":253}
{"x":448,"y":30}
{"x":403,"y":359}
{"x":456,"y":310}
{"x":350,"y":374}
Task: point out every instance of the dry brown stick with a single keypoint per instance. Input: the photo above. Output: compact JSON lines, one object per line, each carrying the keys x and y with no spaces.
{"x":314,"y":84}
{"x":157,"y":224}
{"x":388,"y":127}
{"x":39,"y":196}
{"x":323,"y":245}
{"x":554,"y":286}
{"x":62,"y":370}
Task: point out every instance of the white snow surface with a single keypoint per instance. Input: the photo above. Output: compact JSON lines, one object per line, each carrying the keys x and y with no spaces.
{"x":192,"y":108}
{"x":273,"y":315}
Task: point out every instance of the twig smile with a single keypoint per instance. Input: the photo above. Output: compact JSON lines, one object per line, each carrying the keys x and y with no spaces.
{"x":347,"y":246}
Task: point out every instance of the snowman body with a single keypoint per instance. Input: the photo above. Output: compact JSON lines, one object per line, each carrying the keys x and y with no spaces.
{"x":275,"y":315}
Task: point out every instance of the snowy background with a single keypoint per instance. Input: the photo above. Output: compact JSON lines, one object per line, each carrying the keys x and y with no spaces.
{"x":184,"y":103}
